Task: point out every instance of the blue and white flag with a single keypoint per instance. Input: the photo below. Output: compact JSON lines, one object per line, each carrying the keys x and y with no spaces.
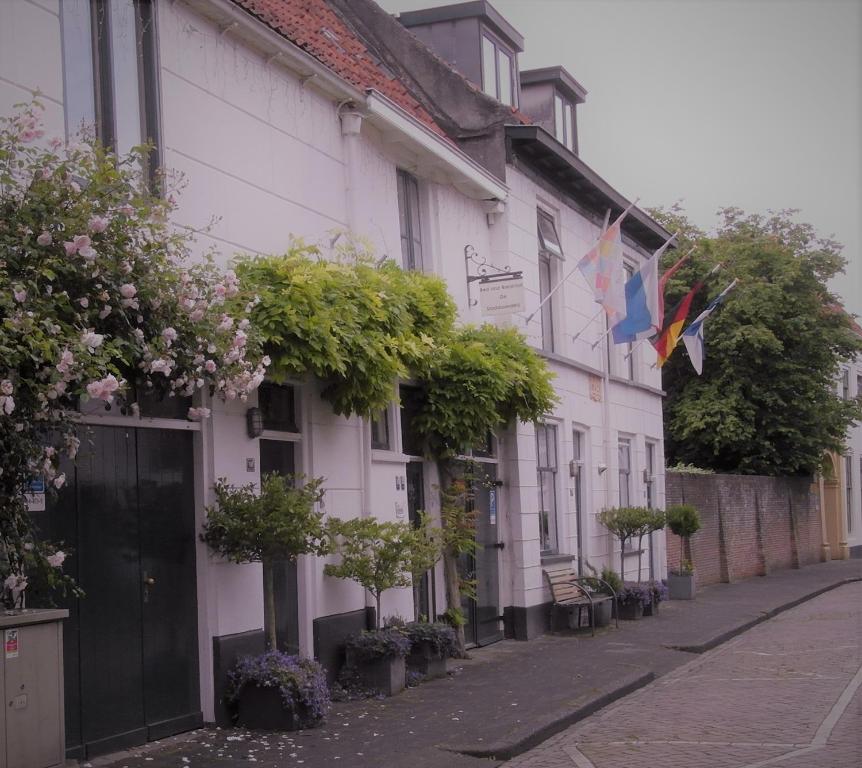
{"x":643,"y":316}
{"x":692,"y":337}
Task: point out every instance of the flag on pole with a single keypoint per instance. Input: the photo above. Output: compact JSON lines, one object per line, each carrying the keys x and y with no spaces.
{"x":693,"y":335}
{"x":669,"y":337}
{"x":602,"y":267}
{"x":662,"y":284}
{"x":644,"y":311}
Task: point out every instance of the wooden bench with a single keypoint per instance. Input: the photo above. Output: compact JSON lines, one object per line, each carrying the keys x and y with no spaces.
{"x":571,"y":592}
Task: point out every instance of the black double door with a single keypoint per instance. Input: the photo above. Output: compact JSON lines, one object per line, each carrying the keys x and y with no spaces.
{"x":131,"y":642}
{"x":482,"y":567}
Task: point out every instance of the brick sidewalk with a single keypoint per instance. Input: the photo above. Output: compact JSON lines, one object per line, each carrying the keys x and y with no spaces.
{"x":510,"y":696}
{"x":788,"y":691}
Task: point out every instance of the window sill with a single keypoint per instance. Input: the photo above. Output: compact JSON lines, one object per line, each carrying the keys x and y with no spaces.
{"x":552,"y":558}
{"x":629,"y":552}
{"x":379,"y":456}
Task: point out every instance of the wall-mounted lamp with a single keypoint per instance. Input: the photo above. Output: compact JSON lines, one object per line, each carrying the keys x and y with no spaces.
{"x":603,"y":468}
{"x":254,"y":422}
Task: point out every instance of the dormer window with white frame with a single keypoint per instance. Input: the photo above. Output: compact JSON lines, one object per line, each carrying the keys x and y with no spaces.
{"x":498,"y":71}
{"x":564,"y":122}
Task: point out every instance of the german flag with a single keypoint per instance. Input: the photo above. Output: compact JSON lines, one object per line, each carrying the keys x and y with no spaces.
{"x":674,"y":320}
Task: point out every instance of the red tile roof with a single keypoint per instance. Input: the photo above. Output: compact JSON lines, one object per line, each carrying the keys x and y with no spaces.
{"x":316,"y":28}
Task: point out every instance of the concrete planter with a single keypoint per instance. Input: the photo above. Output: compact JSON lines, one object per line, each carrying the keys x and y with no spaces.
{"x":263,"y":709}
{"x":681,"y":586}
{"x":631,"y":611}
{"x":425,"y":661}
{"x":603,"y":611}
{"x":651,"y":609}
{"x":386,"y":675}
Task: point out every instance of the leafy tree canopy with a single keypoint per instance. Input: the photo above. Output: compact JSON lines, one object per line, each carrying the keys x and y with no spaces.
{"x":766,"y":402}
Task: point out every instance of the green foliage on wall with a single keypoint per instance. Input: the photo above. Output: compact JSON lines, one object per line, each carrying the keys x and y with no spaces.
{"x":482,"y":380}
{"x":355,"y":326}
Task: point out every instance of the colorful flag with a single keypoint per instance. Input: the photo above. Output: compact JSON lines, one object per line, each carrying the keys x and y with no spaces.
{"x":644,"y":313}
{"x":669,"y":337}
{"x":693,"y":335}
{"x":603,"y":269}
{"x":662,"y":284}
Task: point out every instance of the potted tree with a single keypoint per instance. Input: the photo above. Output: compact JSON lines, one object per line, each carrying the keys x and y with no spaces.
{"x":278,"y":523}
{"x":684,"y":521}
{"x":632,"y":599}
{"x":381,"y":556}
{"x":627,"y":523}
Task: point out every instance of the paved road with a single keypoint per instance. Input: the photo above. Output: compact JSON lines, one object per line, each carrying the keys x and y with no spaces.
{"x":786,"y":693}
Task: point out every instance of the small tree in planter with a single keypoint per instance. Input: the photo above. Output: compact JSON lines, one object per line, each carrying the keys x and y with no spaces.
{"x":279,"y":523}
{"x":659,"y":593}
{"x":381,"y":556}
{"x":276,"y":691}
{"x":627,"y":523}
{"x":684,"y":521}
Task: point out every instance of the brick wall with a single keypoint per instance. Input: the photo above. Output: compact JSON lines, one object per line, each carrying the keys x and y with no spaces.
{"x":750,"y":525}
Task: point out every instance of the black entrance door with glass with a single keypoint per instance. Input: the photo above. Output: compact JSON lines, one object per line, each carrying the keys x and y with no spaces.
{"x":131,"y":642}
{"x":482,"y":568}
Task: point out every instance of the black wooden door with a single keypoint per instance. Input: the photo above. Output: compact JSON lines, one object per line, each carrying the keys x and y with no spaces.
{"x":130,"y":644}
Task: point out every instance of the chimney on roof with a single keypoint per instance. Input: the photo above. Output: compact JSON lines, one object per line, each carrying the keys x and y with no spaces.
{"x":477,"y":41}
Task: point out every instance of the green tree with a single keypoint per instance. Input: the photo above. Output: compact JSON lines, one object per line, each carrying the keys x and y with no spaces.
{"x":766,"y":402}
{"x":382,"y":555}
{"x":278,"y":523}
{"x":627,"y":523}
{"x":683,"y":521}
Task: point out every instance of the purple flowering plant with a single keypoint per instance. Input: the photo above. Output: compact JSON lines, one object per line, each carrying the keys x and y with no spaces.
{"x":633,"y":592}
{"x":369,"y":645}
{"x":301,"y":682}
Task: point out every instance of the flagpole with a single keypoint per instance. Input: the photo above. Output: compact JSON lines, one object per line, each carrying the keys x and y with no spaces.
{"x":572,"y":270}
{"x":589,"y":323}
{"x":628,"y":354}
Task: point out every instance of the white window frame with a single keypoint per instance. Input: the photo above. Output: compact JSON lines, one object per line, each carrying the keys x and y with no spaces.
{"x":553,"y":527}
{"x":493,"y":86}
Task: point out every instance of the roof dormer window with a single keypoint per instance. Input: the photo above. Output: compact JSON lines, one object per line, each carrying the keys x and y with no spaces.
{"x":498,"y":71}
{"x":564,"y":122}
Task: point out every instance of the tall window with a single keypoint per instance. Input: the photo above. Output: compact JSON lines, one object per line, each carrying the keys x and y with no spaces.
{"x":498,"y":76}
{"x":625,"y":470}
{"x":848,"y":481}
{"x":845,"y":383}
{"x":546,"y":464}
{"x":408,"y":214}
{"x":380,"y":439}
{"x":549,"y":249}
{"x":564,"y":122}
{"x":110,"y":72}
{"x":578,"y":455}
{"x":649,"y":475}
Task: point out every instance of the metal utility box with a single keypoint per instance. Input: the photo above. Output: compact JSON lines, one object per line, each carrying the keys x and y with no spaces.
{"x":32,"y":732}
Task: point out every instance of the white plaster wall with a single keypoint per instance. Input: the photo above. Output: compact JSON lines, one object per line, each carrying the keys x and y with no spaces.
{"x":26,"y":67}
{"x":633,"y":411}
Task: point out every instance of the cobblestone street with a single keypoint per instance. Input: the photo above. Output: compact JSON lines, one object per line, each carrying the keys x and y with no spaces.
{"x":788,"y":692}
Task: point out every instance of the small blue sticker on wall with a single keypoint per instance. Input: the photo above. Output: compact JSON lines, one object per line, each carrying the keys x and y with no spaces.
{"x":492,"y":505}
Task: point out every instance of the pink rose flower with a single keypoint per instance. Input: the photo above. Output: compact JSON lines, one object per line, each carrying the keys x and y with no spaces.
{"x":97,"y":224}
{"x":44,"y":239}
{"x":128,"y":291}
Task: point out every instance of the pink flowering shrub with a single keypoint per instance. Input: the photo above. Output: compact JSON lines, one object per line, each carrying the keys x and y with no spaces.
{"x":98,"y":301}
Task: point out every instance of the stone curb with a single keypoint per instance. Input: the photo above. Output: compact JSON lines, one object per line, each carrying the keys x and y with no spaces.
{"x":714,"y":642}
{"x":536,"y":734}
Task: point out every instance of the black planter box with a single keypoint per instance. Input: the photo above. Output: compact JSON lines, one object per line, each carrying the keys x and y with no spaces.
{"x":425,"y":661}
{"x":603,"y":611}
{"x":386,"y":675}
{"x":263,"y":709}
{"x":651,"y":609}
{"x":631,"y":611}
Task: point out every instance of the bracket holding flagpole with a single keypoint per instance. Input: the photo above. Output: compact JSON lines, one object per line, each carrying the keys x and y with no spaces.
{"x":486,"y":272}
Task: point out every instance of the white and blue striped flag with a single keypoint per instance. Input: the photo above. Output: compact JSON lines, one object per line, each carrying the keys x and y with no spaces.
{"x":692,"y":337}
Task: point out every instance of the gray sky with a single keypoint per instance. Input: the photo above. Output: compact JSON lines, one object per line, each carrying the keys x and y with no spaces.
{"x":752,"y":103}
